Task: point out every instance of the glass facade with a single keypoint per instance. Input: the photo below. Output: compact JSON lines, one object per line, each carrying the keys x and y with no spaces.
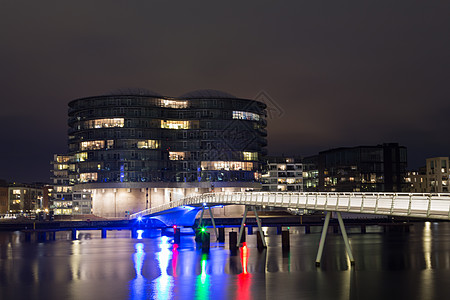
{"x":200,"y":136}
{"x":380,"y":168}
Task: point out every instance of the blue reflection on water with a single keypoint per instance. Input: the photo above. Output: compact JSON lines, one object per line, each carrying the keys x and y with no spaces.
{"x":137,"y":286}
{"x":163,"y":285}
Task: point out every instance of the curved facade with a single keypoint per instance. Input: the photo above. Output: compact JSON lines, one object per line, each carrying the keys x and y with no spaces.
{"x":203,"y":138}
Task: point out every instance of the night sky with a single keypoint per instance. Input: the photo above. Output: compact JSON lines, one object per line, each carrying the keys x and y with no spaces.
{"x":340,"y":73}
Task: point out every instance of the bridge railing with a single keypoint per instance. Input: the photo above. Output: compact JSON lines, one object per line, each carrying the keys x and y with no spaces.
{"x":394,"y":204}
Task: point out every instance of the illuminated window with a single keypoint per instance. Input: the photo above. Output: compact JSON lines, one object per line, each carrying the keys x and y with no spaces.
{"x":88,"y":177}
{"x":92,"y":145}
{"x":250,"y":155}
{"x":82,"y":156}
{"x":16,"y":192}
{"x":63,"y":167}
{"x":62,"y":159}
{"x":177,"y":155}
{"x":148,"y":144}
{"x":105,"y":123}
{"x":174,"y":103}
{"x":243,"y":115}
{"x":281,"y":167}
{"x":293,"y":180}
{"x":109,"y":144}
{"x":227,"y":165}
{"x":169,"y":124}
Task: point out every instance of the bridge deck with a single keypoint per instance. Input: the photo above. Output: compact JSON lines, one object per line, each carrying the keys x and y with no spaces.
{"x":432,"y":206}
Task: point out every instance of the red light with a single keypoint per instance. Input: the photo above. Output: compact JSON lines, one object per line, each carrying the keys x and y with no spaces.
{"x":174,"y":226}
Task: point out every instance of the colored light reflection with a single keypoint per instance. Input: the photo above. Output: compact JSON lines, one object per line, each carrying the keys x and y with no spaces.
{"x":137,"y":286}
{"x":139,"y":234}
{"x":163,"y":285}
{"x":174,"y":260}
{"x":244,"y":258}
{"x":202,"y":284}
{"x":244,"y":279}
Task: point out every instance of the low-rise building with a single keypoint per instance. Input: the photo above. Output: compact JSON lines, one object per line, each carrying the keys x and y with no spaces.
{"x":417,"y":181}
{"x":283,"y":174}
{"x":64,"y":200}
{"x":438,"y":175}
{"x":25,"y":199}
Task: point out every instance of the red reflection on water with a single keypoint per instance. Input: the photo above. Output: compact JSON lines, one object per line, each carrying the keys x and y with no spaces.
{"x":244,"y":257}
{"x":244,"y":279}
{"x":174,"y":260}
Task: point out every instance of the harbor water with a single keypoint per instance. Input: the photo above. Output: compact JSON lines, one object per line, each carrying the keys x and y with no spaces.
{"x":388,"y":265}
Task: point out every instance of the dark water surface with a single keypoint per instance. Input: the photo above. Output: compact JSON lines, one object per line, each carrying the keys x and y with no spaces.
{"x":414,"y":265}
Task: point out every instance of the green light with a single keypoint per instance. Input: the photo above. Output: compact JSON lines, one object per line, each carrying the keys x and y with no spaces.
{"x":203,"y":229}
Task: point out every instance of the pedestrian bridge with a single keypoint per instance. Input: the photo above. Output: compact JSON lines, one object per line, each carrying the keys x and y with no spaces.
{"x":428,"y":206}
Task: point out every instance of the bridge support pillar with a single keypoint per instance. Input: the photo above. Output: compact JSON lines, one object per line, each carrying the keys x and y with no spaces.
{"x":279,"y":229}
{"x":322,"y":238}
{"x":202,"y":239}
{"x":176,"y":235}
{"x":214,"y":223}
{"x":307,"y":229}
{"x":260,"y":240}
{"x":200,"y":222}
{"x":104,"y":233}
{"x":41,"y":236}
{"x":324,"y":235}
{"x":344,"y":236}
{"x":134,"y":234}
{"x":363,"y":228}
{"x":260,"y":231}
{"x":241,"y":230}
{"x":74,"y":234}
{"x":285,"y":243}
{"x":233,"y":240}
{"x":221,"y":238}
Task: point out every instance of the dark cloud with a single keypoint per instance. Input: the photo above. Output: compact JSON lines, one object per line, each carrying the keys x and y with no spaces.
{"x":345,"y":73}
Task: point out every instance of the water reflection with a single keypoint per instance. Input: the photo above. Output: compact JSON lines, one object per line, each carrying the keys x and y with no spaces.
{"x":202,"y":284}
{"x":245,"y":278}
{"x":139,"y":283}
{"x":163,"y":285}
{"x":413,"y":265}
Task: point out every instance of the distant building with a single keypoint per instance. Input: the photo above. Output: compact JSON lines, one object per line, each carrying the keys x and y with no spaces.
{"x":417,"y":181}
{"x":311,"y":174}
{"x":283,"y":174}
{"x":64,"y":200}
{"x":380,"y":168}
{"x":25,"y":199}
{"x":438,"y":174}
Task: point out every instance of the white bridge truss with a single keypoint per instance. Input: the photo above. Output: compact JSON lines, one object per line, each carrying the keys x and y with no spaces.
{"x":429,"y":206}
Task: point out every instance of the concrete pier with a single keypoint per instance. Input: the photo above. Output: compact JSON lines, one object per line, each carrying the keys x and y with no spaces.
{"x":221,"y":238}
{"x":285,"y":242}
